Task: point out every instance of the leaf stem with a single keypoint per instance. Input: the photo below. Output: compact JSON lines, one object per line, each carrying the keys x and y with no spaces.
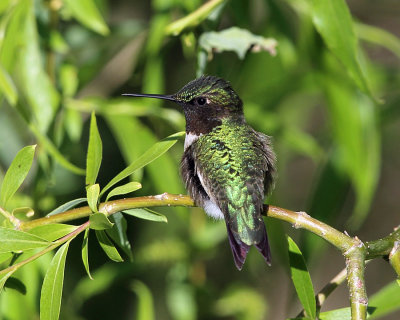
{"x":16,"y":222}
{"x":55,"y":244}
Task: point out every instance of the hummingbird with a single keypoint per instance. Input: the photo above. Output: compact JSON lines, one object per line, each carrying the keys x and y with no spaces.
{"x":227,"y":166}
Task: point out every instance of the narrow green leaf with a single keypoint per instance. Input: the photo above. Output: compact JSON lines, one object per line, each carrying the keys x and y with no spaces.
{"x":145,"y":308}
{"x":85,"y":252}
{"x":150,"y":155}
{"x":66,"y":206}
{"x":107,"y":246}
{"x":118,"y":233}
{"x":94,"y":154}
{"x":16,"y":173}
{"x":357,"y":139}
{"x":87,"y":13}
{"x":51,"y":232}
{"x":93,"y":196}
{"x":385,"y":301}
{"x":146,"y":214}
{"x":126,"y":188}
{"x":50,"y":297}
{"x":193,"y":19}
{"x":333,"y":21}
{"x":13,"y":241}
{"x":7,"y":87}
{"x":34,"y":82}
{"x":301,"y":279}
{"x":99,"y":221}
{"x":378,"y":36}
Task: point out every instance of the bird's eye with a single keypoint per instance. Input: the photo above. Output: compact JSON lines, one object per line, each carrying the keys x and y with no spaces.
{"x":201,"y":101}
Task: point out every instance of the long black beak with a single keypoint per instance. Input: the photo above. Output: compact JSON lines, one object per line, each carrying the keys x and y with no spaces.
{"x":156,"y":96}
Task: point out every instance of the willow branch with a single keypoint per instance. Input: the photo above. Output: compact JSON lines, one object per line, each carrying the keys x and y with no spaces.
{"x":355,"y":264}
{"x":353,"y":249}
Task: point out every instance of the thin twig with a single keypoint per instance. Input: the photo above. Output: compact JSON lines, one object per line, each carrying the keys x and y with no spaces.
{"x":55,"y":244}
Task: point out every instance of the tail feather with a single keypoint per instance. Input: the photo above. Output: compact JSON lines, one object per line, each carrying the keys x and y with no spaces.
{"x":240,"y":249}
{"x":263,"y":247}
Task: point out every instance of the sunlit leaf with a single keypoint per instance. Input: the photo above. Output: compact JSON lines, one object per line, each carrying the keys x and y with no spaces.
{"x":87,"y":13}
{"x":333,"y":21}
{"x":99,"y":221}
{"x":85,"y":252}
{"x":50,"y":298}
{"x":145,"y":306}
{"x":193,"y":19}
{"x":94,"y":154}
{"x":150,"y":155}
{"x":107,"y":246}
{"x":16,"y":173}
{"x":93,"y":192}
{"x":146,"y":214}
{"x":124,"y":189}
{"x":51,"y":232}
{"x":301,"y":279}
{"x":14,"y":240}
{"x":66,"y":206}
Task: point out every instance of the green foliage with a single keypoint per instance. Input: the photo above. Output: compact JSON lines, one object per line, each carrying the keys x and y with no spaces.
{"x":326,"y":90}
{"x":50,"y":298}
{"x":16,"y":174}
{"x":301,"y":279}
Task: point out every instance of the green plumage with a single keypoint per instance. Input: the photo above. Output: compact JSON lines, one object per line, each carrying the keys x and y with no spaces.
{"x":232,"y":162}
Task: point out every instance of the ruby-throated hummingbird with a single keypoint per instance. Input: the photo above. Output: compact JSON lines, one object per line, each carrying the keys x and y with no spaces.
{"x":227,"y":166}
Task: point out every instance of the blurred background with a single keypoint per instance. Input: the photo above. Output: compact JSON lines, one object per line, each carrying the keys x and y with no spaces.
{"x":337,"y":146}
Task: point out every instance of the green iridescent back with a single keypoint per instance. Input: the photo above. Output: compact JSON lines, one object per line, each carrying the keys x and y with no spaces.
{"x":233,"y":167}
